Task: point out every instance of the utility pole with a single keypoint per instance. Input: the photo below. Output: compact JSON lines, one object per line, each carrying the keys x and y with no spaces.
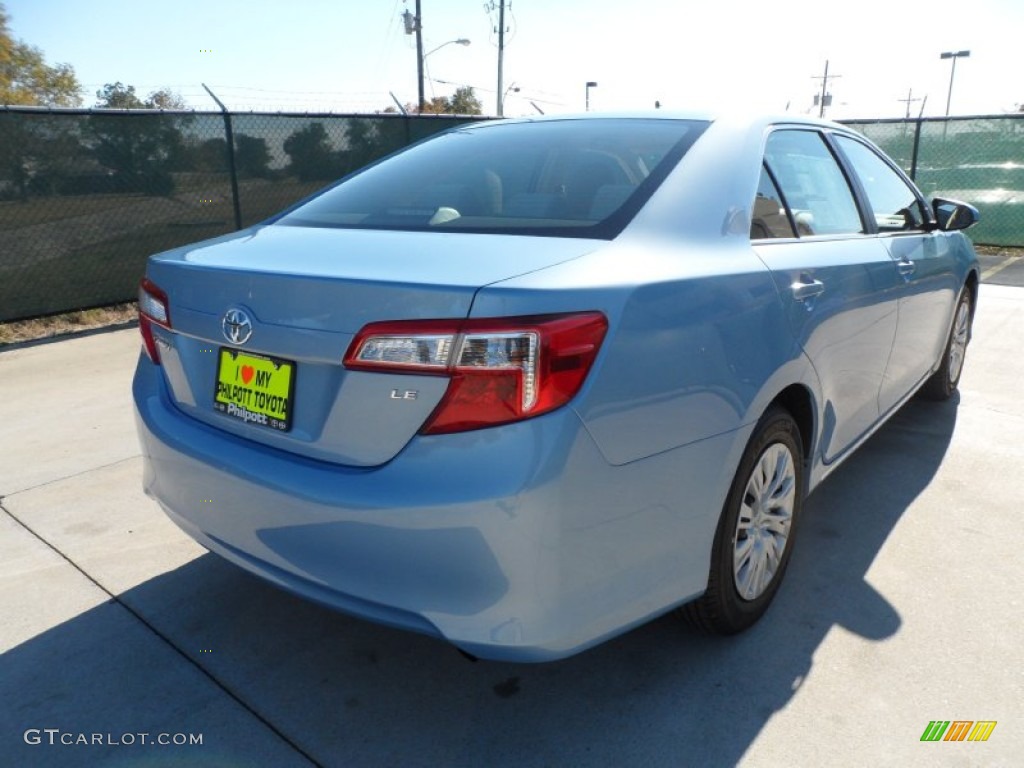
{"x":419,"y":54}
{"x":501,"y":57}
{"x":825,"y":96}
{"x":413,"y":24}
{"x":908,"y":101}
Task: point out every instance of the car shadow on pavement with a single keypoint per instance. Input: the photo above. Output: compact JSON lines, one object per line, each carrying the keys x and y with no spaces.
{"x":346,"y":692}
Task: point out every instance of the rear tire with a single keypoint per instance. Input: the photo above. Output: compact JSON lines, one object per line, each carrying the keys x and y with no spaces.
{"x":944,"y":382}
{"x":755,"y":533}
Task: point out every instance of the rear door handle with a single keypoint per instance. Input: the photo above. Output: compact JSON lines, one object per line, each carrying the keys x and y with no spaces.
{"x":906,"y":268}
{"x":803,"y":290}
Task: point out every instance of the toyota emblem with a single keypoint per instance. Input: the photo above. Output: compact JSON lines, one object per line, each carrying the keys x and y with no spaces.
{"x":237,"y":326}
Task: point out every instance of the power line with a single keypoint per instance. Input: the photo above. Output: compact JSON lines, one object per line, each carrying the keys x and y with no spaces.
{"x":389,"y":36}
{"x":523,"y":91}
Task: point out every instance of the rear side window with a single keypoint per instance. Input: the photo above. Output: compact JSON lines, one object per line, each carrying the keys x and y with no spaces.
{"x":769,"y":218}
{"x":812,"y":183}
{"x":895,"y":206}
{"x":577,"y":178}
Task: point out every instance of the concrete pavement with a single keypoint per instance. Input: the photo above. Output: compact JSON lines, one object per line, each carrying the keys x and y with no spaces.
{"x":902,"y":606}
{"x":1004,"y":268}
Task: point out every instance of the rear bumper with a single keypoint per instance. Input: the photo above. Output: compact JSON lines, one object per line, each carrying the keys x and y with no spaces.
{"x":517,"y":543}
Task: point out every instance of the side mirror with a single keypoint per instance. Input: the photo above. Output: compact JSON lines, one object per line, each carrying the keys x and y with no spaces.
{"x":953,"y":214}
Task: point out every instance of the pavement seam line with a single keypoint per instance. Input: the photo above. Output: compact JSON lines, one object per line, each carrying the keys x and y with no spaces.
{"x":69,"y":477}
{"x":997,"y":268}
{"x":166,"y":640}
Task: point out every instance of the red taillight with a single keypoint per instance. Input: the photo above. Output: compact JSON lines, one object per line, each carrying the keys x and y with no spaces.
{"x":501,"y":370}
{"x":153,"y":310}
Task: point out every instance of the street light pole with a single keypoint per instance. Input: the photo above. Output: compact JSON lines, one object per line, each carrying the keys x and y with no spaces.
{"x":954,"y":55}
{"x":501,"y":102}
{"x":590,"y":84}
{"x":423,"y":60}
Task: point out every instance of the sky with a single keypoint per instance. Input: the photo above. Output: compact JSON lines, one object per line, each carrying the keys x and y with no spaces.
{"x":350,"y":55}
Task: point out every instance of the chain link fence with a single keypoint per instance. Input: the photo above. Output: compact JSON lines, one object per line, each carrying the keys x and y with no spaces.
{"x":87,"y":195}
{"x":979,"y":160}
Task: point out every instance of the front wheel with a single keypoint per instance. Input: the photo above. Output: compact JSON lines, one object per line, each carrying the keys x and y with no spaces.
{"x":944,"y":381}
{"x":754,"y":538}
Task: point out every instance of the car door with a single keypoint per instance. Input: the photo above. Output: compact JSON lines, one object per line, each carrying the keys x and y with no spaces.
{"x":838,"y":283}
{"x":928,"y":284}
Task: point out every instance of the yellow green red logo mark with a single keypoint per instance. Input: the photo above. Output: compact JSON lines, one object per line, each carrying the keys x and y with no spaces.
{"x":958,"y":730}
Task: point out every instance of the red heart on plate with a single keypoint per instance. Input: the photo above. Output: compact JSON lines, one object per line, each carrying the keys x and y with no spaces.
{"x":247,"y":373}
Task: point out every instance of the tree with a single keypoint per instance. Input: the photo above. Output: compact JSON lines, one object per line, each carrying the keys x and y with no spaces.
{"x":120,"y":96}
{"x":252,"y":156}
{"x":26,"y":78}
{"x":210,"y":156}
{"x":165,"y":98}
{"x":435,"y":106}
{"x":142,"y":150}
{"x":462,"y":102}
{"x":311,"y":155}
{"x":34,"y":150}
{"x":361,"y":137}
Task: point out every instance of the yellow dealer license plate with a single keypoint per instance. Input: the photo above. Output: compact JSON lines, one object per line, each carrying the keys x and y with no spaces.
{"x":255,"y":389}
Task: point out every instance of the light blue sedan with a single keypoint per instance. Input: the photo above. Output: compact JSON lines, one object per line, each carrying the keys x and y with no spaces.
{"x":530,"y":383}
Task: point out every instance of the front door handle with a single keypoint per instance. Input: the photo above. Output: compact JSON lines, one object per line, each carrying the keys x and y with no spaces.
{"x":906,"y":268}
{"x":803,"y":291}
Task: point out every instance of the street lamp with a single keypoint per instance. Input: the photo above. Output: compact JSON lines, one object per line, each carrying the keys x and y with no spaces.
{"x":423,"y":63}
{"x":590,"y":84}
{"x":954,"y":55}
{"x":460,"y":41}
{"x":501,"y":106}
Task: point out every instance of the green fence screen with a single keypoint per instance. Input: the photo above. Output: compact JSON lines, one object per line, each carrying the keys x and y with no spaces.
{"x":979,"y":160}
{"x":87,"y":195}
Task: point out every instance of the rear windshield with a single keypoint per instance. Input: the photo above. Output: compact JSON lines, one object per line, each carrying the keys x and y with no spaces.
{"x":571,"y":178}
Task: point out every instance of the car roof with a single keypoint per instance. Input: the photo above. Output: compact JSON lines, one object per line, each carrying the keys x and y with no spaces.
{"x":737,"y":118}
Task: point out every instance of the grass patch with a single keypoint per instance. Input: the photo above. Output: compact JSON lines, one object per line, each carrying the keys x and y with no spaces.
{"x":63,"y":325}
{"x":999,"y":250}
{"x":98,"y":274}
{"x":108,"y":270}
{"x":42,"y":210}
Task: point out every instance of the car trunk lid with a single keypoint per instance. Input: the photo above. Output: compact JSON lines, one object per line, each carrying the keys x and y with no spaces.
{"x":305,"y":293}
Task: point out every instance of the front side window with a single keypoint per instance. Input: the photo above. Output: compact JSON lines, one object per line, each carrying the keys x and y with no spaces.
{"x":895,"y":205}
{"x":812,"y":183}
{"x":576,"y":178}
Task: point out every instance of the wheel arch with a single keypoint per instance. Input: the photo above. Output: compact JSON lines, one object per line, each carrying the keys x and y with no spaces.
{"x":799,"y":402}
{"x":971,"y":285}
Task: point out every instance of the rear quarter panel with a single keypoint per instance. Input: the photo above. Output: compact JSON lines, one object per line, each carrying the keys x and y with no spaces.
{"x":697,"y":344}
